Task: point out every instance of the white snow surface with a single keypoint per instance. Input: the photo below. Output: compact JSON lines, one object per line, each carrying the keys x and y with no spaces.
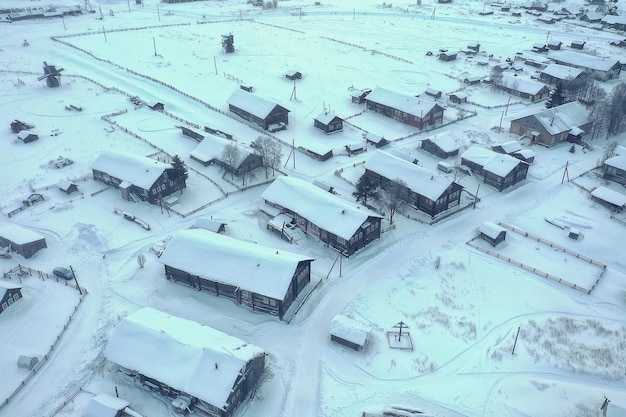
{"x":489,"y":338}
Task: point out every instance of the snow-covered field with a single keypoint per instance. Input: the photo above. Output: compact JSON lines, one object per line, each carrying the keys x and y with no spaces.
{"x":464,"y":308}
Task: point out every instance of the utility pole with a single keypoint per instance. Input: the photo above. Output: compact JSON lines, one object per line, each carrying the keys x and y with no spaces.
{"x":154,"y":44}
{"x":515,"y":343}
{"x":215,"y":64}
{"x":128,"y":1}
{"x":565,"y":173}
{"x":76,"y":281}
{"x":158,"y":13}
{"x":104,"y":33}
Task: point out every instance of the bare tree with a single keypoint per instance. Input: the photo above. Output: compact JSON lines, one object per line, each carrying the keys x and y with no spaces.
{"x":231,"y":155}
{"x":588,"y":93}
{"x":394,"y":197}
{"x":599,"y":113}
{"x":270,"y":151}
{"x":496,"y":77}
{"x":616,"y":122}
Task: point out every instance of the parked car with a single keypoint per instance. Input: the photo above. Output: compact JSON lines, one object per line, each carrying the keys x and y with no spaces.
{"x":63,"y":273}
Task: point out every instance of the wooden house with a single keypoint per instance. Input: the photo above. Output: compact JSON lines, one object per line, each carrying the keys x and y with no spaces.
{"x":328,"y":122}
{"x":20,"y":240}
{"x":474,"y":46}
{"x":257,"y":110}
{"x":376,"y":140}
{"x":597,"y":67}
{"x":474,"y":79}
{"x":540,"y":48}
{"x":592,"y":17}
{"x":425,"y":190}
{"x":211,"y":149}
{"x":157,"y":106}
{"x":261,"y":278}
{"x":498,"y":170}
{"x":616,"y":22}
{"x":447,"y":56}
{"x":348,"y":332}
{"x":414,"y":111}
{"x":524,"y":88}
{"x":180,"y":358}
{"x":434,"y":93}
{"x":567,"y":122}
{"x":444,"y":144}
{"x":322,"y":215}
{"x":554,"y":44}
{"x":577,"y":44}
{"x":137,"y":177}
{"x":9,"y":293}
{"x":508,"y":147}
{"x":317,"y":151}
{"x":614,"y":200}
{"x":568,"y":77}
{"x":492,"y":233}
{"x":66,"y":186}
{"x":27,"y":136}
{"x":293,"y":75}
{"x":458,"y":97}
{"x":615,"y":169}
{"x":17,"y":126}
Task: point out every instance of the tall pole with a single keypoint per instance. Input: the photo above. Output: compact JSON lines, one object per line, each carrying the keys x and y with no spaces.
{"x":154,"y":44}
{"x":158,"y":14}
{"x":293,"y":151}
{"x":515,"y":343}
{"x":104,"y":33}
{"x":63,"y":19}
{"x":215,"y":64}
{"x":128,"y":1}
{"x":76,"y":281}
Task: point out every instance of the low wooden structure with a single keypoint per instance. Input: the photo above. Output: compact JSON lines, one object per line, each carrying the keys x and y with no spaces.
{"x":261,"y":278}
{"x":257,"y":110}
{"x":614,"y":200}
{"x":22,"y":241}
{"x":27,"y":136}
{"x":376,"y":140}
{"x":348,"y":332}
{"x":444,"y":144}
{"x":417,"y":112}
{"x":492,"y":233}
{"x":66,"y":186}
{"x":615,"y":169}
{"x":328,"y":122}
{"x":498,"y":170}
{"x":9,"y":293}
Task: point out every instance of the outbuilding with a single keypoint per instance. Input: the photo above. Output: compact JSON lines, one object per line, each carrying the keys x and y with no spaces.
{"x":257,"y":110}
{"x":444,"y":145}
{"x":376,"y":140}
{"x":348,"y":332}
{"x":615,"y":169}
{"x":613,"y":199}
{"x":27,"y":136}
{"x":492,"y":233}
{"x":66,"y":186}
{"x":9,"y":293}
{"x":328,"y":122}
{"x":21,"y":240}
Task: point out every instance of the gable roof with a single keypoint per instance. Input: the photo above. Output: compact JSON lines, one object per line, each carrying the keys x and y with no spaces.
{"x":561,"y":118}
{"x":138,"y":170}
{"x":578,"y":59}
{"x":496,"y":163}
{"x":253,"y":104}
{"x":446,"y":141}
{"x":408,"y":104}
{"x":185,"y":355}
{"x":326,"y":117}
{"x":491,"y":229}
{"x":618,"y":161}
{"x":246,"y":265}
{"x":508,"y":147}
{"x":18,"y":234}
{"x":212,"y":147}
{"x":322,"y":208}
{"x":418,"y":179}
{"x":562,"y":72}
{"x":610,"y":196}
{"x":522,"y":85}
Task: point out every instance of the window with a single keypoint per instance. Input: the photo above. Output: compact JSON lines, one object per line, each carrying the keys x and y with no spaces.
{"x":16,"y":296}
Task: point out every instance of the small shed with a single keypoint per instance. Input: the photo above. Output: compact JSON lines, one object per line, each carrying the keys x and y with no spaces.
{"x":492,"y":233}
{"x":358,"y":96}
{"x":66,"y":186}
{"x":328,"y":122}
{"x":525,"y":155}
{"x":293,"y":75}
{"x":507,"y":147}
{"x":576,"y":44}
{"x":458,"y":97}
{"x":355,"y":147}
{"x":9,"y":293}
{"x":318,"y":151}
{"x":348,"y":332}
{"x":17,"y":126}
{"x":210,"y":225}
{"x":447,"y":56}
{"x":573,"y":233}
{"x":433,"y":92}
{"x":474,"y":46}
{"x":27,"y":362}
{"x":157,"y":106}
{"x":27,"y":136}
{"x":540,"y":47}
{"x":474,"y":79}
{"x":554,"y":45}
{"x":610,"y":198}
{"x":105,"y":405}
{"x":22,"y":241}
{"x":376,"y":140}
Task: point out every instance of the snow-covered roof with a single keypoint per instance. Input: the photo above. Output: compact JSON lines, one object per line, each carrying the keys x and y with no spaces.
{"x":4,"y":285}
{"x":562,"y":72}
{"x":447,"y":140}
{"x":208,"y":224}
{"x":584,"y":60}
{"x":105,"y":405}
{"x":212,"y":147}
{"x":491,"y":229}
{"x":562,"y":118}
{"x":526,"y":153}
{"x":618,"y":161}
{"x":136,"y":169}
{"x":64,"y":184}
{"x":610,"y":19}
{"x":23,"y":134}
{"x":609,"y":195}
{"x":322,"y":208}
{"x":185,"y":355}
{"x":249,"y":266}
{"x":252,"y":103}
{"x":325,"y":117}
{"x":522,"y":85}
{"x":496,"y":163}
{"x":348,"y":329}
{"x":18,"y":234}
{"x":508,"y":147}
{"x":406,"y":103}
{"x":372,"y":137}
{"x":418,"y":179}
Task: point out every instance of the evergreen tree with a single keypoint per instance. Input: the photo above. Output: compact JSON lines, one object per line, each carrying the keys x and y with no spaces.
{"x":365,"y":188}
{"x":556,"y":98}
{"x":178,"y":172}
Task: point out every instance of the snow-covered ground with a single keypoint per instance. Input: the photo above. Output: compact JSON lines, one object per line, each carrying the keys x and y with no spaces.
{"x":464,"y":308}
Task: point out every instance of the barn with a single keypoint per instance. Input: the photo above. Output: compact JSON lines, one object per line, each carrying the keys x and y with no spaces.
{"x":447,"y":56}
{"x":414,"y":111}
{"x":322,"y":215}
{"x":458,"y":97}
{"x":567,"y":122}
{"x":499,"y":171}
{"x":444,"y":145}
{"x":376,"y":140}
{"x":348,"y":332}
{"x":22,"y":241}
{"x":9,"y":293}
{"x":27,"y":136}
{"x":137,"y":177}
{"x":262,"y":278}
{"x":425,"y":190}
{"x":568,"y":77}
{"x":257,"y":110}
{"x":210,"y":151}
{"x":328,"y":122}
{"x":615,"y":169}
{"x":178,"y":358}
{"x":524,"y":88}
{"x":492,"y":233}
